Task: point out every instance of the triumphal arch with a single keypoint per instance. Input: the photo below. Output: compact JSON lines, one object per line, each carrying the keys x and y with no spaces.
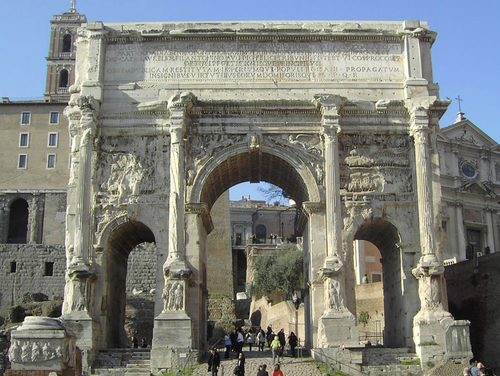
{"x":165,"y":117}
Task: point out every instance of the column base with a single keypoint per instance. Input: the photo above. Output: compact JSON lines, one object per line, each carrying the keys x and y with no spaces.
{"x":172,"y":342}
{"x":338,"y":328}
{"x":438,"y":337}
{"x":86,"y":331}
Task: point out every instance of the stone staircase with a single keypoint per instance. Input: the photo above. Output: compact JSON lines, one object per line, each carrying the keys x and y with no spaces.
{"x":122,"y":362}
{"x":387,"y":361}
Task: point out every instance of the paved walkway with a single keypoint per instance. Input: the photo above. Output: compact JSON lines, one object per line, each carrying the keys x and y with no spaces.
{"x":253,"y":359}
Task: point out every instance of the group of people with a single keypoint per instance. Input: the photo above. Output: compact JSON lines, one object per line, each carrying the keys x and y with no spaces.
{"x":135,"y":343}
{"x":477,"y":369}
{"x":235,"y":341}
{"x":239,"y":370}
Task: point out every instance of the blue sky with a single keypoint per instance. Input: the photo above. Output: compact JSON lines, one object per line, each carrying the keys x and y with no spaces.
{"x":465,"y":55}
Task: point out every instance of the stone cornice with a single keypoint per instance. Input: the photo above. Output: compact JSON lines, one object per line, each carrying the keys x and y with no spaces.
{"x":133,"y":36}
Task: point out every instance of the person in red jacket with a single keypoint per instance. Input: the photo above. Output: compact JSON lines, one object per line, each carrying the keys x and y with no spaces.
{"x":277,"y":371}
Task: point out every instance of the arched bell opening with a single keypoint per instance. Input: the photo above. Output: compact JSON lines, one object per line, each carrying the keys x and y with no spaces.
{"x":384,"y":237}
{"x":121,"y":242}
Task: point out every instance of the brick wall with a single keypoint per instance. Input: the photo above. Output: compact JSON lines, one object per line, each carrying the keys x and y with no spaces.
{"x":28,"y":272}
{"x":473,"y":294}
{"x":141,"y":268}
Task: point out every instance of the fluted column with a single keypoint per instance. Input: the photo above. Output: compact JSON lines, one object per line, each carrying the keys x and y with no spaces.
{"x":175,"y":265}
{"x":460,"y":253}
{"x":488,"y":211}
{"x":431,"y":321}
{"x":338,"y":324}
{"x":424,"y":191}
{"x":83,"y":125}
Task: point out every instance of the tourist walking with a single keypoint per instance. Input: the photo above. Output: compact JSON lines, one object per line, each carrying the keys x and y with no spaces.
{"x":240,"y":340}
{"x":239,"y":370}
{"x":214,"y":362}
{"x":277,"y":371}
{"x":269,"y":336}
{"x":474,"y":371}
{"x":261,"y":339}
{"x":281,"y":336}
{"x":276,"y":349}
{"x":262,"y":370}
{"x":250,"y":339}
{"x":292,"y":341}
{"x":227,"y":344}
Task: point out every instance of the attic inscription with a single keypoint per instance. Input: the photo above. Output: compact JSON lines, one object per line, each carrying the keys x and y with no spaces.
{"x":187,"y":61}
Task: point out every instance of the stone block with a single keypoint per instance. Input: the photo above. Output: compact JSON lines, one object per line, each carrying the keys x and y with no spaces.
{"x":42,"y":344}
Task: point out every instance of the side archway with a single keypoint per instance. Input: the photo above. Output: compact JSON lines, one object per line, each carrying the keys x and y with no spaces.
{"x":121,"y":241}
{"x":386,"y":237}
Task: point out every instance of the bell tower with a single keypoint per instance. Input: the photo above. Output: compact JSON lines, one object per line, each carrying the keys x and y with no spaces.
{"x":62,"y":54}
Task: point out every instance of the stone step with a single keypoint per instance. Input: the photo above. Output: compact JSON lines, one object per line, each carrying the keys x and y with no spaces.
{"x":120,"y":362}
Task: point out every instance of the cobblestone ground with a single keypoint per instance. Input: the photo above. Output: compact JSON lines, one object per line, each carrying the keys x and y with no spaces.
{"x":253,"y":359}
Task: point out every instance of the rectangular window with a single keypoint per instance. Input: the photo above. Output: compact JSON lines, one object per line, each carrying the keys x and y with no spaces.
{"x":52,"y":140}
{"x":51,"y":161}
{"x":22,"y":162}
{"x":24,"y":140}
{"x":54,"y":118}
{"x":13,"y":267}
{"x":25,"y":118}
{"x":49,"y":269}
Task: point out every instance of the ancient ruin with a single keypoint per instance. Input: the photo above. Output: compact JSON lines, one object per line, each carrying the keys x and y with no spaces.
{"x":344,"y":116}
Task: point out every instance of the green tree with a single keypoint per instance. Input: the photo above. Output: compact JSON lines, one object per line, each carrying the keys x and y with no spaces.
{"x":280,"y":270}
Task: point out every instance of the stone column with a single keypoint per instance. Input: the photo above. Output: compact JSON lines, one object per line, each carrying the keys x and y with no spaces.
{"x":338,"y":324}
{"x":173,"y":327}
{"x":83,"y":125}
{"x":33,"y":220}
{"x":432,"y":321}
{"x":176,"y":264}
{"x":460,"y":231}
{"x":488,"y":211}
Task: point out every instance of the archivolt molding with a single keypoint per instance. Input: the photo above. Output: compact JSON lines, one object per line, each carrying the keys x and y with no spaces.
{"x":197,"y":179}
{"x":358,"y":215}
{"x":106,"y":228}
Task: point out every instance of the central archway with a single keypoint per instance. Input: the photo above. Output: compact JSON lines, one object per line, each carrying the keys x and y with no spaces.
{"x":277,"y":167}
{"x":274,"y":166}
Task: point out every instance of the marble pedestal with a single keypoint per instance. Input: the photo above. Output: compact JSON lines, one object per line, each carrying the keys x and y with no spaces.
{"x":438,"y":338}
{"x":87,"y":331}
{"x":40,"y":346}
{"x":172,"y":342}
{"x":338,"y":329}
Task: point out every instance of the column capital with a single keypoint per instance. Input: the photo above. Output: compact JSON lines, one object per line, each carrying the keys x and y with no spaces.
{"x":311,"y":207}
{"x":201,"y":209}
{"x":330,"y":106}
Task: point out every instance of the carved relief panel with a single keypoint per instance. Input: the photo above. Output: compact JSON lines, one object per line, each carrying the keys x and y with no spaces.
{"x":132,"y":166}
{"x":375,"y":164}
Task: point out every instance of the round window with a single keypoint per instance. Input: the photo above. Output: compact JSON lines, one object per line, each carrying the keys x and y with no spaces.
{"x":468,"y":170}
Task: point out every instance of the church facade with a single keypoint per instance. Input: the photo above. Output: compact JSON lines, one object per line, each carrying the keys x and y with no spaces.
{"x":163,"y":118}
